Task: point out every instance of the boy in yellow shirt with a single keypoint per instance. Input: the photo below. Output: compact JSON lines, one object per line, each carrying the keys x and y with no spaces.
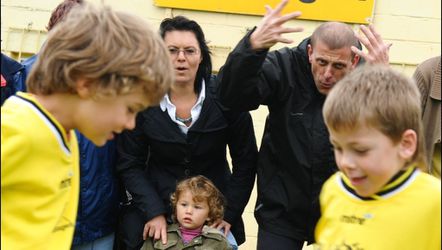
{"x":379,"y":199}
{"x":96,"y":71}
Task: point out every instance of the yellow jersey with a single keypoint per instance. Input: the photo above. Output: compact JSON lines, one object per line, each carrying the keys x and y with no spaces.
{"x":39,"y":177}
{"x":404,"y":215}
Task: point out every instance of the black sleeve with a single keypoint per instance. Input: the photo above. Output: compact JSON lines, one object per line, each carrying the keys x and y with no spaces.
{"x":244,"y":153}
{"x":133,"y":148}
{"x":248,"y":78}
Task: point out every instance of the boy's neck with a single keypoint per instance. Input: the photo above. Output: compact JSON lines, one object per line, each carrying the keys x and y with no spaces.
{"x":61,"y":106}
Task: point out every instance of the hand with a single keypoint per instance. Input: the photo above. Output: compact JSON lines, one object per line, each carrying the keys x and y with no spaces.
{"x":269,"y":30}
{"x":156,"y":228}
{"x":222,"y":224}
{"x":377,"y":49}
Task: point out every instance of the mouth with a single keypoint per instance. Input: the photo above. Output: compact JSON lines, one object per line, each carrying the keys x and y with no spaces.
{"x":356,"y":181}
{"x":326,"y":85}
{"x":187,"y":220}
{"x":180,"y":69}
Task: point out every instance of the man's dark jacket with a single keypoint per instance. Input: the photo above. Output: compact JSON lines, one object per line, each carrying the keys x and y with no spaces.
{"x":296,"y":156}
{"x":156,"y":155}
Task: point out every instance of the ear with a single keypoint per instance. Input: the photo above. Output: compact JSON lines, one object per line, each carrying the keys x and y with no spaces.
{"x":310,"y":52}
{"x":355,"y":61}
{"x":83,"y":88}
{"x":408,"y":144}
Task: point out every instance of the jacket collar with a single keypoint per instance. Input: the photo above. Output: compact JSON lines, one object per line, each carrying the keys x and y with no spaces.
{"x":400,"y":181}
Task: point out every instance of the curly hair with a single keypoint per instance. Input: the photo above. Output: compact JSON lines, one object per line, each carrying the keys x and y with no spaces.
{"x":202,"y":189}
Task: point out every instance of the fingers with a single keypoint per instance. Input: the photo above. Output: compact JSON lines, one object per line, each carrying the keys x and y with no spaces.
{"x":377,"y":49}
{"x":225,"y":226}
{"x":268,"y":10}
{"x":164,"y":235}
{"x":357,"y":51}
{"x":279,"y":7}
{"x":364,"y":41}
{"x":145,"y":233}
{"x":215,"y":224}
{"x":287,"y":17}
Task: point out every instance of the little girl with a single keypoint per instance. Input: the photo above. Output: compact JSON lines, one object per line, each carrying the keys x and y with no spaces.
{"x":197,"y":203}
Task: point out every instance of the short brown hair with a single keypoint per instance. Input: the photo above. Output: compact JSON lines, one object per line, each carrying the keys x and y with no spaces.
{"x":114,"y":51}
{"x":379,"y":97}
{"x":335,"y":35}
{"x":202,"y":189}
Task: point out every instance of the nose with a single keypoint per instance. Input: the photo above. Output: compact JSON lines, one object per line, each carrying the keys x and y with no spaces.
{"x":345,"y":161}
{"x":328,"y":72}
{"x":181,"y":55}
{"x":189,"y":210}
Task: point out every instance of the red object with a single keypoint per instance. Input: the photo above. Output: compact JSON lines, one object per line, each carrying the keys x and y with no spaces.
{"x":3,"y":81}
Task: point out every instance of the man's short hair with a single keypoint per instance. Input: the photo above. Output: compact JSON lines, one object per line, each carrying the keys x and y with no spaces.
{"x":335,"y":35}
{"x":378,"y":97}
{"x":114,"y":51}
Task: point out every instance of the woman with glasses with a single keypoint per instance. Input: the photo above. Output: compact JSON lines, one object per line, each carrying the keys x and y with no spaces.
{"x":187,"y":135}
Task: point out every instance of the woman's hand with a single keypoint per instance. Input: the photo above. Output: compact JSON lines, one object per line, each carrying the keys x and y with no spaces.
{"x":222,"y":224}
{"x":156,"y":228}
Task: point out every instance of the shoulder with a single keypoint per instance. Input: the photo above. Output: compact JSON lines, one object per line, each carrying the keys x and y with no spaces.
{"x":430,"y":184}
{"x":215,"y":238}
{"x":212,"y":233}
{"x":330,"y":189}
{"x":430,"y":64}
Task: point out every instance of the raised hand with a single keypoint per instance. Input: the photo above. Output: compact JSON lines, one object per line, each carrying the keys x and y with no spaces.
{"x":270,"y":29}
{"x":378,"y":50}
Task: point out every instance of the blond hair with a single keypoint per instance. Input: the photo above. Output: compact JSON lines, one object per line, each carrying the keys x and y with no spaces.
{"x":381,"y":98}
{"x":202,"y":189}
{"x":114,"y":51}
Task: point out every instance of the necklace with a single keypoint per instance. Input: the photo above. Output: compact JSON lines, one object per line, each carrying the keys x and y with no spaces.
{"x":187,"y":120}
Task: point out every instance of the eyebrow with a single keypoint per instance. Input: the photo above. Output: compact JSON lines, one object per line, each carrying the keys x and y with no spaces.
{"x":343,"y":62}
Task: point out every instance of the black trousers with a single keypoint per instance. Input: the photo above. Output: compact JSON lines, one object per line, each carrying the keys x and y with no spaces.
{"x":267,"y":241}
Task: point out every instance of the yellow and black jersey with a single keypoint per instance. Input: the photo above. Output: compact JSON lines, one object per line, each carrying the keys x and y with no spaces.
{"x":39,"y":177}
{"x":405,"y":214}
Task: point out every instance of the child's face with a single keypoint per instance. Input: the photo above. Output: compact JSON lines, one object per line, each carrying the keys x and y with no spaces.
{"x":368,"y":158}
{"x":191,"y":214}
{"x":100,"y":119}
